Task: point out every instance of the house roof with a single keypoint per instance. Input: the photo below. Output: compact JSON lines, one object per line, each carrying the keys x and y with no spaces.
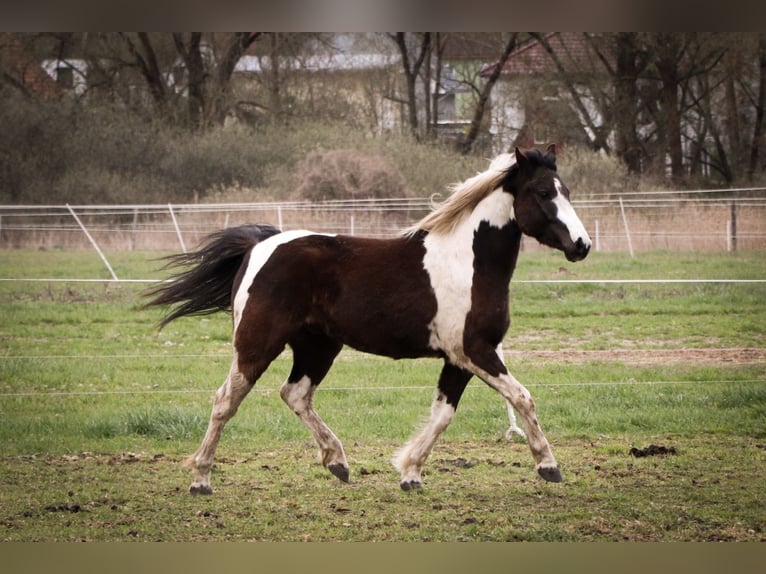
{"x":23,"y":70}
{"x":473,"y":46}
{"x":572,"y":49}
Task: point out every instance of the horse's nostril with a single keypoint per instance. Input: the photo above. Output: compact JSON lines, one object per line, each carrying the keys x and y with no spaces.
{"x":582,"y":247}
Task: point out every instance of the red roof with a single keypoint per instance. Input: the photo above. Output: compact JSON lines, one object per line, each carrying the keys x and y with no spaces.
{"x":571,"y":48}
{"x":24,"y":70}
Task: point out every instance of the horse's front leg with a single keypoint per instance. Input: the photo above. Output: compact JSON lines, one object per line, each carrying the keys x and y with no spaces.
{"x":410,"y":459}
{"x":488,"y":366}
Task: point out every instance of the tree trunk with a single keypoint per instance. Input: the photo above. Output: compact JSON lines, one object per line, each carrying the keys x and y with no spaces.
{"x":441,"y":42}
{"x":731,"y":121}
{"x":760,"y":109}
{"x":626,"y":101}
{"x":275,"y":96}
{"x":145,"y":59}
{"x":481,"y":105}
{"x":411,"y":75}
{"x":668,"y":55}
{"x":599,"y":140}
{"x":234,"y":50}
{"x":195,"y":69}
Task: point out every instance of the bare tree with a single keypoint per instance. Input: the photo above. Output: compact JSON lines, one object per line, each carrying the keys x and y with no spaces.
{"x":481,"y":104}
{"x":199,"y":65}
{"x":568,"y":77}
{"x":625,"y":59}
{"x":413,"y":50}
{"x":759,"y":125}
{"x":439,"y":45}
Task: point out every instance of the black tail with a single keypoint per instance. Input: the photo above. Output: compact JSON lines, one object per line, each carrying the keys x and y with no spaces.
{"x":207,"y":287}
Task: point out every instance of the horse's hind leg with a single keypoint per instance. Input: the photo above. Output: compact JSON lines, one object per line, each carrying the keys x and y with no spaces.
{"x":313,"y":356}
{"x":227,"y":400}
{"x":513,"y":428}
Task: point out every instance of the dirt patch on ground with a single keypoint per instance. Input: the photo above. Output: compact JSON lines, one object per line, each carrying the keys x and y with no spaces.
{"x":737,"y":356}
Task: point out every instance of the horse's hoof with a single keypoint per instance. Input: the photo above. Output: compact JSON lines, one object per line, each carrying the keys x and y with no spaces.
{"x":514,"y":432}
{"x":550,"y":473}
{"x":408,"y":485}
{"x":200,"y":489}
{"x":339,"y":470}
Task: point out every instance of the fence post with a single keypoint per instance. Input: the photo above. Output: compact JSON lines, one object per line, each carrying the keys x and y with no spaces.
{"x":178,"y":229}
{"x":728,"y":235}
{"x":133,"y":229}
{"x":279,"y":218}
{"x":598,"y":238}
{"x":733,"y":225}
{"x":627,"y":231}
{"x":93,"y":242}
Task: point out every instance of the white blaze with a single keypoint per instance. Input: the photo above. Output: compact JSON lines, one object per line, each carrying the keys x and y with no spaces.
{"x":567,"y":216}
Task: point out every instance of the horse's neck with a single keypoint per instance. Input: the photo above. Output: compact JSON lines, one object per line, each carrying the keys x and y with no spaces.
{"x":488,"y":232}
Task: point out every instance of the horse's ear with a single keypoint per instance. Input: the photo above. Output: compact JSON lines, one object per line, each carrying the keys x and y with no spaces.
{"x":551,"y":149}
{"x":521,"y":157}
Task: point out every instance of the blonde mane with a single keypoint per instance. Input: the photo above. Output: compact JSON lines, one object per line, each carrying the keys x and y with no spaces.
{"x":464,"y":197}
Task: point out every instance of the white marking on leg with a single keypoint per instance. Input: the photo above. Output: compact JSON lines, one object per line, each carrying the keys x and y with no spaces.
{"x":520,"y":398}
{"x":514,"y":427}
{"x":299,"y":397}
{"x":228,"y":397}
{"x":410,"y":458}
{"x":566,"y":215}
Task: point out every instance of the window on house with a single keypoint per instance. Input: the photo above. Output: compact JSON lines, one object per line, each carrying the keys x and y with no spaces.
{"x":447,"y":111}
{"x":65,"y":76}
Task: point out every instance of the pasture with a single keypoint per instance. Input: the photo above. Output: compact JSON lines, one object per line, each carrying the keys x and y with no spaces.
{"x":97,"y":410}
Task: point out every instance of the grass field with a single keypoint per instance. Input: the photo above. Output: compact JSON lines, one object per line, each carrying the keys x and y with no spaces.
{"x":97,"y":409}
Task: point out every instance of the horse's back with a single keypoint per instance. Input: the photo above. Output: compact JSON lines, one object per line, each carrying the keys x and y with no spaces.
{"x":371,"y":294}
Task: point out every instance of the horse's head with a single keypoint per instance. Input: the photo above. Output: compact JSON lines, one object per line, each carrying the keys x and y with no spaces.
{"x":541,"y":204}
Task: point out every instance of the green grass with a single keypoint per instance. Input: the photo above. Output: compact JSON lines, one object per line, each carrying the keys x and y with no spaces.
{"x":97,"y":410}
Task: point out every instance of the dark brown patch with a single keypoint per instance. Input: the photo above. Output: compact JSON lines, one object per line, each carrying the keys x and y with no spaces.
{"x":495,"y":253}
{"x":652,"y":450}
{"x":373,"y":295}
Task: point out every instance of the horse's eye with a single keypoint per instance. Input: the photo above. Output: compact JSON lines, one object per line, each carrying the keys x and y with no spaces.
{"x":544,"y":193}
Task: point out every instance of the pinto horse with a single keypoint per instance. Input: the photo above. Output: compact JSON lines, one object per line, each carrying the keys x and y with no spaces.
{"x":438,"y":290}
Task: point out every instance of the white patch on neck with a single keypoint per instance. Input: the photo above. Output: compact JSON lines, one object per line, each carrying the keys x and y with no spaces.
{"x":259,"y":255}
{"x":449,"y":263}
{"x":566,"y":215}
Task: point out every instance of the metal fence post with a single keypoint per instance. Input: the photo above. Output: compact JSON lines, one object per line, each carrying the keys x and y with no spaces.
{"x":627,"y":231}
{"x":92,"y":242}
{"x":178,"y":229}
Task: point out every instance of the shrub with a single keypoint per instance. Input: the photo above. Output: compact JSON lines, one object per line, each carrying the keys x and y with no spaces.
{"x":65,"y":152}
{"x":587,"y":173}
{"x":347,"y":174}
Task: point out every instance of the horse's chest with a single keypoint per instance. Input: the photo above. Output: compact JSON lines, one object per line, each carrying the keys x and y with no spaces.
{"x":469,"y":275}
{"x":450,"y":271}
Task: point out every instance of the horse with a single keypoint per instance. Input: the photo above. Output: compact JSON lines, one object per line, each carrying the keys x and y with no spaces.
{"x":438,"y":289}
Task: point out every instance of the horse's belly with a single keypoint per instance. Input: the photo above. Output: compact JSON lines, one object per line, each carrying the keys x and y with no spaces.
{"x":383,"y":332}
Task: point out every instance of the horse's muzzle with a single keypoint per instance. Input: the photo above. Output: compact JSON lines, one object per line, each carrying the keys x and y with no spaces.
{"x":579,"y":251}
